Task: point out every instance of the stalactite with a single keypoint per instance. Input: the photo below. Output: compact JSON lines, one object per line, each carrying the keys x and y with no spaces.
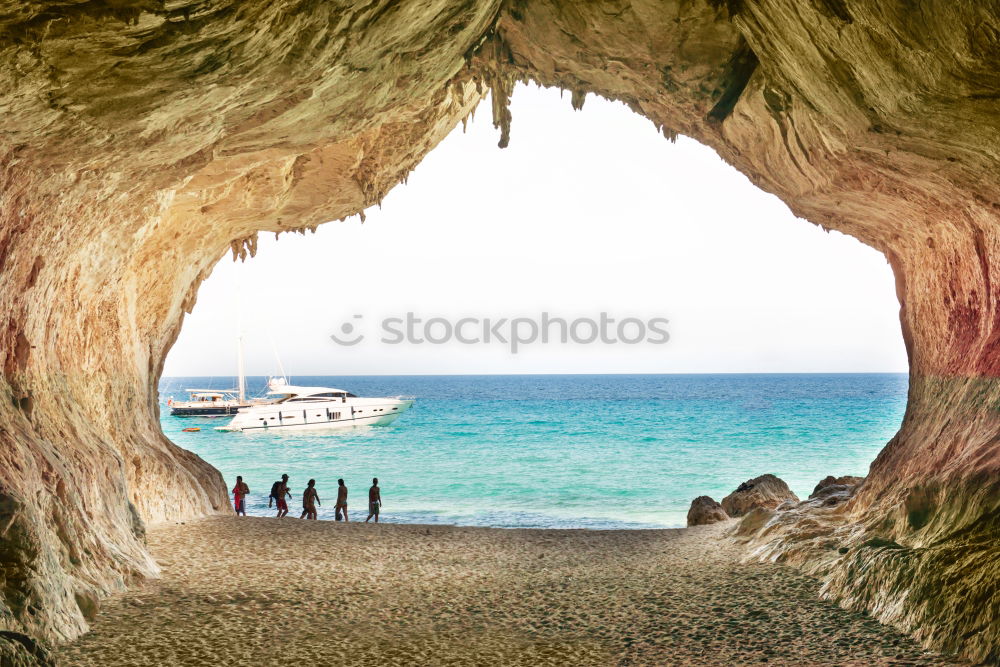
{"x":501,"y":89}
{"x":244,"y":247}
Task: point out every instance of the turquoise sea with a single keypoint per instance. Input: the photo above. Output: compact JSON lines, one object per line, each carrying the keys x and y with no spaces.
{"x":562,"y":451}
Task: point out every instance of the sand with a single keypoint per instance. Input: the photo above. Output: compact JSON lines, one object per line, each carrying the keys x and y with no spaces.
{"x":242,"y":591}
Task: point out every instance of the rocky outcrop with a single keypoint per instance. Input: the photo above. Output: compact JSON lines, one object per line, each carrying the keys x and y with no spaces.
{"x":704,"y":511}
{"x":832,"y":490}
{"x":140,"y":141}
{"x":18,"y":650}
{"x":764,"y":492}
{"x":800,"y":517}
{"x":831,"y":484}
{"x":820,"y":536}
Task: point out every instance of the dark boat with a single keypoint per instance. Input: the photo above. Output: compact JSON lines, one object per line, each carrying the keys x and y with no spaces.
{"x":208,"y":403}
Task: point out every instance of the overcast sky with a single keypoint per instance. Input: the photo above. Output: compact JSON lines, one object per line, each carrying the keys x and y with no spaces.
{"x":586,"y":212}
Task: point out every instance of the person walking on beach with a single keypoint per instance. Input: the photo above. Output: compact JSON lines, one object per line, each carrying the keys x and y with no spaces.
{"x":240,"y":492}
{"x":310,"y":498}
{"x":341,"y":500}
{"x":278,"y":492}
{"x":374,"y":501}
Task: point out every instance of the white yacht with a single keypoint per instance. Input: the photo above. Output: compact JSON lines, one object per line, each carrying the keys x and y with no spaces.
{"x":316,"y":408}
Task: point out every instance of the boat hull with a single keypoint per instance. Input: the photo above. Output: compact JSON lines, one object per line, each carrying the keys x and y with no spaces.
{"x":317,"y":417}
{"x":210,"y":411}
{"x":341,"y":425}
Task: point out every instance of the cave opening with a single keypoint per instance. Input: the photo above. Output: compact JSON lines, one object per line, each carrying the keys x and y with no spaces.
{"x":792,"y":330}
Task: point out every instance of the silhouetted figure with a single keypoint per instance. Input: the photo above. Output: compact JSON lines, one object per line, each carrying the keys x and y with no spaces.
{"x":279,"y":490}
{"x":310,"y":498}
{"x":341,"y":500}
{"x":374,"y":501}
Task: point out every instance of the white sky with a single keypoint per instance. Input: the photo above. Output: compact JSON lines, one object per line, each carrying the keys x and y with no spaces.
{"x":585,"y":212}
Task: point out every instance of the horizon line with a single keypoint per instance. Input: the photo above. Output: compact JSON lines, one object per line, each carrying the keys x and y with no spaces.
{"x":906,"y":372}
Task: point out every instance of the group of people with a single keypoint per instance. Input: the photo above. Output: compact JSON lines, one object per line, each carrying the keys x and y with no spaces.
{"x":310,"y":499}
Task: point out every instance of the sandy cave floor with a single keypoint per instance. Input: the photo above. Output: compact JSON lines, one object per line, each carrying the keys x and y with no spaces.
{"x":264,"y":591}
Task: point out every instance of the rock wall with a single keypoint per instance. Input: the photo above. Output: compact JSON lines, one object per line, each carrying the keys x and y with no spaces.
{"x":140,"y":141}
{"x":138,"y":145}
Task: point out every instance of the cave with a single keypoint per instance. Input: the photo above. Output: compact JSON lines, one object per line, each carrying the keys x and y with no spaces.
{"x":141,"y":141}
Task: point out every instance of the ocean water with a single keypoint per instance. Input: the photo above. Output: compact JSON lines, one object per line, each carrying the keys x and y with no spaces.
{"x":561,"y":451}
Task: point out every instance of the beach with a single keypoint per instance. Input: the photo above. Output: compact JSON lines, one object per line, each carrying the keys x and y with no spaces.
{"x":265,"y":591}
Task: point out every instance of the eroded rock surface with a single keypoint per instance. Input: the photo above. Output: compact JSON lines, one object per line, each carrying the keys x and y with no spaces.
{"x":832,"y":490}
{"x":831,"y":484}
{"x":764,"y":492}
{"x":705,"y":510}
{"x":139,"y":141}
{"x":18,"y":650}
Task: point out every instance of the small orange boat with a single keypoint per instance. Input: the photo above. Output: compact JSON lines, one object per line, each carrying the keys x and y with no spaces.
{"x":191,"y":430}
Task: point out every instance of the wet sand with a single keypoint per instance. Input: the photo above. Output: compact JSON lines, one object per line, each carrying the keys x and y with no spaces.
{"x":264,"y":591}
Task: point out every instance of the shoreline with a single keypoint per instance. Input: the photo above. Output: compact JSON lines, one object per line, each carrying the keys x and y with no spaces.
{"x":399,"y":518}
{"x":402,"y":594}
{"x":507,"y":466}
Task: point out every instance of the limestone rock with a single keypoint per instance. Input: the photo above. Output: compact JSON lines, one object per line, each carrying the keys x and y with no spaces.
{"x":704,"y":510}
{"x":764,"y":492}
{"x":753,"y":521}
{"x":18,"y":650}
{"x":140,"y":141}
{"x":833,"y":490}
{"x":831,"y":484}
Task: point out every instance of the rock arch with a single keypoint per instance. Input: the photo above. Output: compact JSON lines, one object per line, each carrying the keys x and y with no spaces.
{"x":140,"y":141}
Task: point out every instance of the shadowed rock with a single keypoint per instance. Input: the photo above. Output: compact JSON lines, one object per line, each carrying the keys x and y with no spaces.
{"x":831,"y":484}
{"x":833,"y":490}
{"x":765,"y":492}
{"x":18,"y":650}
{"x":704,"y":510}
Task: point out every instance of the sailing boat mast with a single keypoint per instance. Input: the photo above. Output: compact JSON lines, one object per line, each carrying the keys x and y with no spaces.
{"x":241,"y":371}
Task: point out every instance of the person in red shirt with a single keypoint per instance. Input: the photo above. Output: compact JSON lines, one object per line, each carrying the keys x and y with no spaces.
{"x":240,"y":492}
